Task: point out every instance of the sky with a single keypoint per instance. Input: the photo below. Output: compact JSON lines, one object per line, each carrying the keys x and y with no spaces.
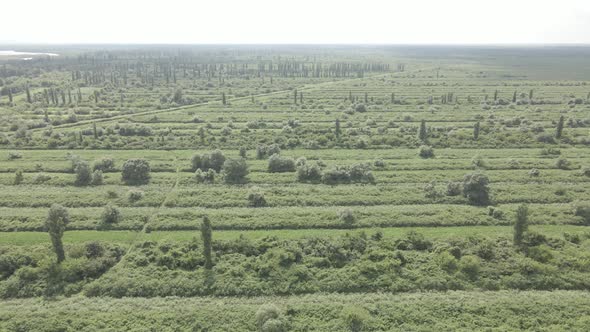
{"x":296,"y":21}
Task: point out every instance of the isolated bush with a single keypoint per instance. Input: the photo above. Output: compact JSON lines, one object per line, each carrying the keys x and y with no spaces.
{"x":355,"y":318}
{"x":265,"y":313}
{"x":447,"y":262}
{"x":18,"y":177}
{"x":213,"y":160}
{"x":235,"y":170}
{"x":110,"y":214}
{"x":41,"y":178}
{"x":134,"y":195}
{"x":205,"y":177}
{"x":83,"y":173}
{"x":430,"y":190}
{"x":585,"y":171}
{"x":256,"y":197}
{"x":347,"y":217}
{"x":475,"y":188}
{"x":478,"y":162}
{"x":360,"y":108}
{"x":12,"y":155}
{"x":278,"y":164}
{"x":534,"y":172}
{"x":562,"y":163}
{"x":136,"y":171}
{"x":243,"y":152}
{"x":97,"y":178}
{"x":104,"y":164}
{"x":425,"y":151}
{"x":582,"y":209}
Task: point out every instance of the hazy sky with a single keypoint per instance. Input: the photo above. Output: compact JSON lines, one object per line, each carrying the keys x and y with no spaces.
{"x":296,"y":21}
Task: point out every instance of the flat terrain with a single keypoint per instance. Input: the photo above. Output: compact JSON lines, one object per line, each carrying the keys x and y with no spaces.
{"x":399,"y":247}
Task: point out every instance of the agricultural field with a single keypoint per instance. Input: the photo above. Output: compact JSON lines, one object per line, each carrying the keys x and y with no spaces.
{"x":295,"y":188}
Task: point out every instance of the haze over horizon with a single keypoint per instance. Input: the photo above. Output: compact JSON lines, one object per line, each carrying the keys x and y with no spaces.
{"x":305,"y":22}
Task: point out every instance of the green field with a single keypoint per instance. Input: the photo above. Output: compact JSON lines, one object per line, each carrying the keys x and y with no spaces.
{"x":384,"y":236}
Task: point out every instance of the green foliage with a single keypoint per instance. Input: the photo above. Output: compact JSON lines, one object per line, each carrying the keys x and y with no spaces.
{"x":521,"y":224}
{"x":136,"y":171}
{"x":205,"y":177}
{"x":97,"y":178}
{"x":104,"y":164}
{"x":278,"y":164}
{"x":56,"y":222}
{"x":235,"y":171}
{"x":256,"y":197}
{"x":347,"y":217}
{"x":355,"y":318}
{"x":83,"y":173}
{"x":213,"y":160}
{"x":18,"y":177}
{"x":425,"y":151}
{"x":206,"y":237}
{"x":110,"y":215}
{"x":475,"y":188}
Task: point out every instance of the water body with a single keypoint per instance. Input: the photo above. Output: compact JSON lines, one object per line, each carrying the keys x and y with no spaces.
{"x":24,"y":55}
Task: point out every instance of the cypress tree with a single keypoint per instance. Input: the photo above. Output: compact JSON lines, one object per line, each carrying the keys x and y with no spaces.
{"x":94,"y":131}
{"x":206,"y":237}
{"x":295,"y":96}
{"x":350,"y":95}
{"x":301,"y":97}
{"x":531,"y":95}
{"x":514,"y":97}
{"x":422,"y":135}
{"x":337,"y":129}
{"x":10,"y":95}
{"x":392,"y":98}
{"x":28,"y":94}
{"x":366,"y":98}
{"x":521,"y":224}
{"x":495,"y":95}
{"x":559,"y":128}
{"x":223,"y":99}
{"x":476,"y":131}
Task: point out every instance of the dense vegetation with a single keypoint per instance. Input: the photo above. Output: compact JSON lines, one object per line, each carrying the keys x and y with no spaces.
{"x":331,"y":189}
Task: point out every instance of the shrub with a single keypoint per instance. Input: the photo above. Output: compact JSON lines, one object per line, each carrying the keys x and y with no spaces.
{"x":562,"y":163}
{"x":475,"y":188}
{"x":534,"y":172}
{"x":110,"y":215}
{"x":18,"y":177}
{"x":235,"y":170}
{"x":359,"y":173}
{"x":83,"y":174}
{"x":136,"y":171}
{"x":265,"y":313}
{"x":430,"y":190}
{"x":134,"y":195}
{"x":97,"y":178}
{"x":41,"y":178}
{"x":104,"y":164}
{"x":256,"y":197}
{"x":347,"y":217}
{"x":12,"y":155}
{"x":263,"y":150}
{"x":243,"y":152}
{"x":447,"y":262}
{"x":582,"y":209}
{"x":379,"y":163}
{"x":360,"y":108}
{"x":309,"y":173}
{"x":478,"y":162}
{"x":213,"y":160}
{"x":585,"y":171}
{"x":425,"y":151}
{"x":278,"y":164}
{"x":355,"y":318}
{"x":205,"y":177}
{"x":454,"y":188}
{"x":470,"y":266}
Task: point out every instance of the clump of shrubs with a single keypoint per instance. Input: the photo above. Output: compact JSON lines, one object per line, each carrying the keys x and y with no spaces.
{"x":41,"y":178}
{"x":311,"y":173}
{"x":562,"y":163}
{"x":425,"y":151}
{"x":347,"y":217}
{"x":205,"y":176}
{"x":278,"y":164}
{"x":534,"y":172}
{"x":97,"y":178}
{"x":213,"y":160}
{"x":270,"y":319}
{"x":136,"y":171}
{"x":18,"y":177}
{"x":475,"y":188}
{"x":359,"y":173}
{"x":12,"y":155}
{"x":235,"y":171}
{"x":264,"y":151}
{"x":256,"y":197}
{"x":454,"y":188}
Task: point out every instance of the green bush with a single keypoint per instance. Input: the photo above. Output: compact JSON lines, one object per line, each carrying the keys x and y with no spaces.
{"x":425,"y":151}
{"x":355,"y":318}
{"x":83,"y":173}
{"x":475,"y":188}
{"x":97,"y":178}
{"x":110,"y":215}
{"x":278,"y":164}
{"x":136,"y":171}
{"x":235,"y":171}
{"x":256,"y":198}
{"x":104,"y":164}
{"x":213,"y":160}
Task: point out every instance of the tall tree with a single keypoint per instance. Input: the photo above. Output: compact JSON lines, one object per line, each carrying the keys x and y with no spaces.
{"x":559,"y":129}
{"x":422,"y":134}
{"x":56,"y":222}
{"x":206,"y":237}
{"x":521,"y":224}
